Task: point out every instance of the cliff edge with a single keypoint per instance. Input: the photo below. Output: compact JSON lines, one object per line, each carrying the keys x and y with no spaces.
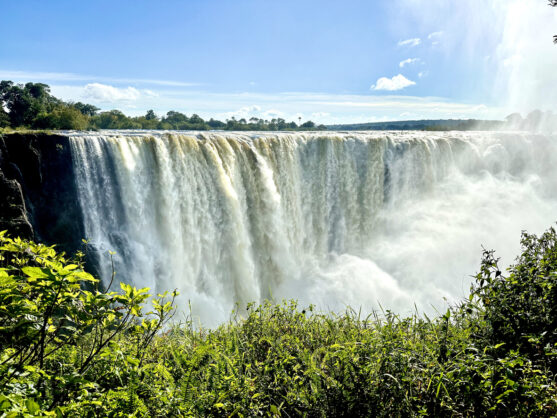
{"x":38,"y":196}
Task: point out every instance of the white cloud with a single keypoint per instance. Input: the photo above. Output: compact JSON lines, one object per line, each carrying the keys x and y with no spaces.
{"x":150,"y":93}
{"x":398,"y":82}
{"x":423,"y":74}
{"x":109,"y":94}
{"x":410,"y":42}
{"x":434,"y":36}
{"x":408,"y":61}
{"x":244,"y":112}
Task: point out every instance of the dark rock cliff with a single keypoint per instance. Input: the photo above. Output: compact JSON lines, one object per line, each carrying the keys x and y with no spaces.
{"x":38,"y":196}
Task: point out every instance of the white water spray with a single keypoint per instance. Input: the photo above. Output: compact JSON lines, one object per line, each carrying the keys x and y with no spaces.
{"x":333,"y":219}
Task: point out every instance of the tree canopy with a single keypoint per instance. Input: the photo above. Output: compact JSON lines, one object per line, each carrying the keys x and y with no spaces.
{"x":33,"y":106}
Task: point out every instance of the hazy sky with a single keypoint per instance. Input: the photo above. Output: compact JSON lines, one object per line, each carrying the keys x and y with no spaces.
{"x":330,"y":61}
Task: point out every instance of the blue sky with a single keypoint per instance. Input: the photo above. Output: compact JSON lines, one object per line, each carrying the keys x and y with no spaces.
{"x":330,"y":61}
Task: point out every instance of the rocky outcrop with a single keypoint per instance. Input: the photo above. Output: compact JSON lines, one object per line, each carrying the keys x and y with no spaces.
{"x":38,"y":197}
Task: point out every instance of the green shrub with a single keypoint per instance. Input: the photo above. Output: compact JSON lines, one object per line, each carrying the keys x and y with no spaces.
{"x":520,"y":309}
{"x":57,"y":339}
{"x":68,"y":349}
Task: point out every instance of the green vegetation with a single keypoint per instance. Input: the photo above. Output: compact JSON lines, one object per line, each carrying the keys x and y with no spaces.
{"x":31,"y":106}
{"x":423,"y":125}
{"x":534,"y":121}
{"x":68,"y":349}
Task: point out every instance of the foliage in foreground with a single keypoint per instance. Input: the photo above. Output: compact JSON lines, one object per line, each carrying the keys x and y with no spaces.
{"x":67,"y":351}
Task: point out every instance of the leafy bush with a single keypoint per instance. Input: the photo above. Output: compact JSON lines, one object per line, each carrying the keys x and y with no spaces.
{"x":68,"y":351}
{"x":520,"y":309}
{"x":58,"y":339}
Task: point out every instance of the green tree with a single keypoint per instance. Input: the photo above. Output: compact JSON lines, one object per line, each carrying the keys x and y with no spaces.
{"x":25,"y":102}
{"x":4,"y":118}
{"x":70,"y":118}
{"x":176,"y":120}
{"x":86,"y":109}
{"x":145,"y":123}
{"x":150,"y":115}
{"x":113,"y":119}
{"x":216,"y":124}
{"x":62,"y":117}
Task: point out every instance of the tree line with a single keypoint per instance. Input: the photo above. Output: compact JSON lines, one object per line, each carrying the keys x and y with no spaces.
{"x":32,"y":106}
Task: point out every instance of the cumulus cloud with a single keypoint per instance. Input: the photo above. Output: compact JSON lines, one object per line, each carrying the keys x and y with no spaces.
{"x":244,"y":112}
{"x":410,"y":42}
{"x":398,"y":82}
{"x":105,"y":93}
{"x":408,"y":61}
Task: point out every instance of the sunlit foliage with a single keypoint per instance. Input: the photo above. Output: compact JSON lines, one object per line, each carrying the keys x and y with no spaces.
{"x":69,"y":349}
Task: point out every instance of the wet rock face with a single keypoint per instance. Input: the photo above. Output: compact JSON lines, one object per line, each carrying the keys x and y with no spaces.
{"x":13,"y":214}
{"x":38,"y":197}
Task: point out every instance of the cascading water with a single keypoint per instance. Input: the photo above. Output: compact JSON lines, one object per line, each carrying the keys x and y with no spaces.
{"x":333,"y":219}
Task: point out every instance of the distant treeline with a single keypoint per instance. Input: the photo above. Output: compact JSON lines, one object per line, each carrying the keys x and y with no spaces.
{"x":33,"y":106}
{"x":534,"y":121}
{"x":423,"y":125}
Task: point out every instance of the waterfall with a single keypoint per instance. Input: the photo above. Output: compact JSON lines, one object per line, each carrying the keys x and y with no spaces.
{"x":334,"y":219}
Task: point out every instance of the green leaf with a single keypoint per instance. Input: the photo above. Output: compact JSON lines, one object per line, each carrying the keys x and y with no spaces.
{"x":84,"y":276}
{"x":32,"y":406}
{"x":4,"y":403}
{"x":36,"y":272}
{"x":132,"y":361}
